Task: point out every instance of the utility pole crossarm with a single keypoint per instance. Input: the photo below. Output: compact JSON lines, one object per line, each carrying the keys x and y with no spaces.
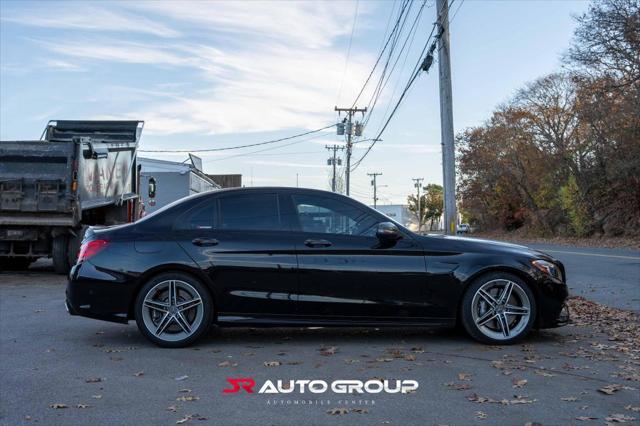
{"x":349,"y":131}
{"x":334,"y":161}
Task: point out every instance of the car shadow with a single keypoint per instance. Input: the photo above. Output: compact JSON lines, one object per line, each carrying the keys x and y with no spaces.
{"x":275,"y":337}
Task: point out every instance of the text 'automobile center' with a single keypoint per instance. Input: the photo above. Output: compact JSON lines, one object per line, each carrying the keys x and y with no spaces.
{"x":287,"y":256}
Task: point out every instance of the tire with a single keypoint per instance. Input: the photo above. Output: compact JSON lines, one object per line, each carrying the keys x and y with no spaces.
{"x":60,"y":254}
{"x":484,"y":312}
{"x":157,"y":318}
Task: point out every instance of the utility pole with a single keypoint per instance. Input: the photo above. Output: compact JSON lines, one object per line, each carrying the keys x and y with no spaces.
{"x":350,"y":130}
{"x":374,"y":183}
{"x":333,"y":161}
{"x":418,"y":185}
{"x":446,"y":120}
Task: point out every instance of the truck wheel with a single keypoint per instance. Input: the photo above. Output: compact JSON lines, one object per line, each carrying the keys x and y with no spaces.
{"x":60,"y":254}
{"x":75,"y":243}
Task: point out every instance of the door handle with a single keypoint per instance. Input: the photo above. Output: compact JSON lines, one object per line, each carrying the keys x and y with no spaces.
{"x":317,"y":243}
{"x":205,"y":242}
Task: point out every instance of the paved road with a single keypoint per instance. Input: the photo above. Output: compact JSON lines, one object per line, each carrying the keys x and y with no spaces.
{"x":48,"y":357}
{"x":607,"y":276}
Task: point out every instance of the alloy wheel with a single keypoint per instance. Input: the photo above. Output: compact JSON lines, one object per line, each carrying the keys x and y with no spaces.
{"x":501,"y":309}
{"x":172,"y":310}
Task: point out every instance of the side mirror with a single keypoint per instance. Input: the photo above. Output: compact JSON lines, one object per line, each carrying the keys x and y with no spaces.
{"x":388,"y":232}
{"x":152,"y":187}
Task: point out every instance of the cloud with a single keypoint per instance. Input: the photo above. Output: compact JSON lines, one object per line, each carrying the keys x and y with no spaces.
{"x":309,"y":24}
{"x":62,"y":65}
{"x":253,"y":66}
{"x":78,"y":16}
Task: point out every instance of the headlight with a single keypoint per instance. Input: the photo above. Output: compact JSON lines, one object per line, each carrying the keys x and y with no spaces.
{"x":547,"y":268}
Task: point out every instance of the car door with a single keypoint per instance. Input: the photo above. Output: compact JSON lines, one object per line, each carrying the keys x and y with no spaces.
{"x":237,"y":238}
{"x":344,"y":269}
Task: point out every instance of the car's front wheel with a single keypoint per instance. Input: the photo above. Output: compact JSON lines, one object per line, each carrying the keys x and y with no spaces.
{"x":498,"y":308}
{"x":173,"y":310}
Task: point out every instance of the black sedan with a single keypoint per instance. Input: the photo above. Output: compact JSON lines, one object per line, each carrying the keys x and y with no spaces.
{"x":301,"y":257}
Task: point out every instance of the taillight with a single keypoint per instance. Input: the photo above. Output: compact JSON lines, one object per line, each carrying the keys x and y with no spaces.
{"x":91,"y":248}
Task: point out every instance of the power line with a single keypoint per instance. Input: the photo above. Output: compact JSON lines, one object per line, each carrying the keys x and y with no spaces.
{"x":421,"y":65}
{"x":456,"y":12}
{"x":383,"y":83}
{"x":346,"y":62}
{"x":248,"y":154}
{"x":391,"y":34}
{"x":240,"y":146}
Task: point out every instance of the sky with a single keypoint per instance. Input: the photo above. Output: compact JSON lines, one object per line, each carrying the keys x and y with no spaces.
{"x":217,"y":74}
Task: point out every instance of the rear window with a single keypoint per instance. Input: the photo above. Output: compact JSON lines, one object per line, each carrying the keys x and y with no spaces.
{"x":257,"y":212}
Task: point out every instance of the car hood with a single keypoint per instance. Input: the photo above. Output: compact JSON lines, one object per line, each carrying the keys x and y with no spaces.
{"x":467,"y":244}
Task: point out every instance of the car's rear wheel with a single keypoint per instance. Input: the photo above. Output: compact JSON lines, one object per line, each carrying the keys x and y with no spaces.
{"x":498,"y":308}
{"x":173,"y":310}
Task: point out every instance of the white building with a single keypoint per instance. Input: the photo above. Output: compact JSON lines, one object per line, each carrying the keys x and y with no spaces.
{"x":400,"y":213}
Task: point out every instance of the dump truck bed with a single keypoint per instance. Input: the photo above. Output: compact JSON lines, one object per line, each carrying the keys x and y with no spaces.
{"x":80,"y":165}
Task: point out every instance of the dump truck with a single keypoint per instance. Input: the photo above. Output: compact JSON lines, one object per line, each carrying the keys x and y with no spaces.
{"x":79,"y":174}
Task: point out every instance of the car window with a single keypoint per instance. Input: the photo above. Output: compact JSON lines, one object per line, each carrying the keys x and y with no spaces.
{"x":250,"y":212}
{"x":331,"y":216}
{"x":200,"y":217}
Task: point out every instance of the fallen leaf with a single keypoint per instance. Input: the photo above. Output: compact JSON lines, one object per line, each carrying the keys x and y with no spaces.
{"x":328,"y":350}
{"x":272,"y":363}
{"x":96,"y":396}
{"x":359,"y":410}
{"x":82,"y":406}
{"x":619,"y":418}
{"x":139,"y":374}
{"x":185,"y":390}
{"x":93,"y":380}
{"x":519,"y":383}
{"x":458,"y":386}
{"x":632,"y":408}
{"x":481,"y":414}
{"x":183,"y":420}
{"x":58,"y":405}
{"x":532,"y":424}
{"x":172,"y":408}
{"x":338,"y":411}
{"x":384,"y":359}
{"x":464,"y":376}
{"x":610,"y":389}
{"x":569,"y":399}
{"x":188,"y":398}
{"x":409,"y":357}
{"x":27,"y":417}
{"x":180,"y":378}
{"x":228,"y":364}
{"x":586,"y":418}
{"x":544,"y":373}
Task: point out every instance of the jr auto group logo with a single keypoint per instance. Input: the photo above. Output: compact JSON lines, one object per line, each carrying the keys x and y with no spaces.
{"x":348,"y":391}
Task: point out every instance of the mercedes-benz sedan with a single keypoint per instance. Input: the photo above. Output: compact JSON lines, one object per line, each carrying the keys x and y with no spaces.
{"x":301,"y":257}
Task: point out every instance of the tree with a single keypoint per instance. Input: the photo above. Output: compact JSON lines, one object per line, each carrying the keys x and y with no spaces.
{"x":563,"y":155}
{"x":431,"y":204}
